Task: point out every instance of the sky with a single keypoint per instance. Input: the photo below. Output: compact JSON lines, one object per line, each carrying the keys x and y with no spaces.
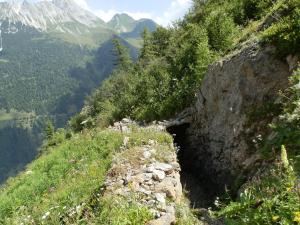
{"x":161,"y":11}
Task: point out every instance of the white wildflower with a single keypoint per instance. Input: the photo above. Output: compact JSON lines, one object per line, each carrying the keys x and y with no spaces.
{"x":46,"y":215}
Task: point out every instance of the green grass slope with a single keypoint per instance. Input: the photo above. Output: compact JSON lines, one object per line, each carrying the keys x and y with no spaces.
{"x":62,"y":186}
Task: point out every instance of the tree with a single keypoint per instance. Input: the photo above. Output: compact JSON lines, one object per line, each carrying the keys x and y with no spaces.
{"x":124,"y":61}
{"x":146,"y":52}
{"x":49,"y":130}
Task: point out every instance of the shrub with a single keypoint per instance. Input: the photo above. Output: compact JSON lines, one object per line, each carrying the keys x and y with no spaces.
{"x":221,"y":30}
{"x":285,"y":34}
{"x":271,"y":198}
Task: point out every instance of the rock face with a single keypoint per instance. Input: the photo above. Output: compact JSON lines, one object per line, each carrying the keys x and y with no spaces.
{"x":217,"y":138}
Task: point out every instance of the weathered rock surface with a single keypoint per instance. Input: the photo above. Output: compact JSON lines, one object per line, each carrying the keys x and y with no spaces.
{"x":143,"y":172}
{"x":217,"y":132}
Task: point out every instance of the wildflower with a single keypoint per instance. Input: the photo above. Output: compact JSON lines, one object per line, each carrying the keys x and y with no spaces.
{"x":297,"y":217}
{"x":275,"y":218}
{"x":284,"y":158}
{"x":45,"y":216}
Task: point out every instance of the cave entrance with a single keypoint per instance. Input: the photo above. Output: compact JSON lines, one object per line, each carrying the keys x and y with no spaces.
{"x":196,"y":182}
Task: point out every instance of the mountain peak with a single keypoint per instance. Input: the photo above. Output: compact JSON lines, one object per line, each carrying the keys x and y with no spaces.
{"x":122,"y":16}
{"x":43,"y":15}
{"x":122,"y":23}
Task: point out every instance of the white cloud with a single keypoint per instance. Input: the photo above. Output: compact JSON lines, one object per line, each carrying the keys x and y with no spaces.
{"x":177,"y":9}
{"x":105,"y":15}
{"x":140,"y":15}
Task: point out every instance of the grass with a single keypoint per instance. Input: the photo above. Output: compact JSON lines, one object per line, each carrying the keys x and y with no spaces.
{"x":59,"y":180}
{"x":64,"y":184}
{"x":6,"y":117}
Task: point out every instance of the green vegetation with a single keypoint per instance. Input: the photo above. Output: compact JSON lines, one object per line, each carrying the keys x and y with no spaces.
{"x":172,"y":63}
{"x":284,"y":34}
{"x":43,"y":76}
{"x":169,"y":71}
{"x":60,"y":179}
{"x":120,"y":211}
{"x":270,"y":198}
{"x":64,"y":184}
{"x":273,"y":197}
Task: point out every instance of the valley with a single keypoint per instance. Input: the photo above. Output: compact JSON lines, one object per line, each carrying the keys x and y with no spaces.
{"x":49,"y":63}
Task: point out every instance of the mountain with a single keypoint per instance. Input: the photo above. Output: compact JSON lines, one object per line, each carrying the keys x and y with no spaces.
{"x":52,"y":55}
{"x":66,"y":20}
{"x":203,"y":128}
{"x":138,"y":28}
{"x":122,"y":23}
{"x":48,"y":15}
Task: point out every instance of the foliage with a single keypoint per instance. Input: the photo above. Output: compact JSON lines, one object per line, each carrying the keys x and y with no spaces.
{"x":172,"y":62}
{"x":285,"y":34}
{"x":60,"y":178}
{"x":64,"y":184}
{"x":270,"y":198}
{"x":49,"y":130}
{"x":287,"y":128}
{"x":120,"y":211}
{"x":273,"y":197}
{"x":221,"y":30}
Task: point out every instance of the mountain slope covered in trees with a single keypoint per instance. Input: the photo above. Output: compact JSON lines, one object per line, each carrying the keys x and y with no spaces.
{"x":49,"y":63}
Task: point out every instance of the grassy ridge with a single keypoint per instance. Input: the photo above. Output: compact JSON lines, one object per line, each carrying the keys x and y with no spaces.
{"x":63,"y":184}
{"x":63,"y":177}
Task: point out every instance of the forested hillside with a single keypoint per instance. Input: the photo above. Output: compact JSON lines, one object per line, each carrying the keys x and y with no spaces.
{"x":221,"y":39}
{"x":47,"y":69}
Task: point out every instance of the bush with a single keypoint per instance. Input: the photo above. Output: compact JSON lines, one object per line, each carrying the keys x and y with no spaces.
{"x":285,"y":34}
{"x":221,"y":30}
{"x":271,"y":198}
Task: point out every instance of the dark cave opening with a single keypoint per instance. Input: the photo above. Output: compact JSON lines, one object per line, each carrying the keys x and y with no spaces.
{"x":199,"y":185}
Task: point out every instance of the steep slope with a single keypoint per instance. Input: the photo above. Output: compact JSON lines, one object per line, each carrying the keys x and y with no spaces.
{"x":88,"y":176}
{"x":233,"y":64}
{"x":44,"y":47}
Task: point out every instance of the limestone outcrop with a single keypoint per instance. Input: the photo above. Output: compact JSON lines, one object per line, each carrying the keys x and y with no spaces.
{"x":219,"y":140}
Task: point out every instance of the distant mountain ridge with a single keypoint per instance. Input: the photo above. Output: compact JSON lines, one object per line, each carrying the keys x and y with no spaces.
{"x":61,"y":16}
{"x":45,"y":15}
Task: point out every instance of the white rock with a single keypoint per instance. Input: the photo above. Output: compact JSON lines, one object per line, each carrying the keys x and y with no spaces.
{"x":150,"y":169}
{"x":158,"y":175}
{"x":160,"y":197}
{"x":163,"y":166}
{"x":147,"y":154}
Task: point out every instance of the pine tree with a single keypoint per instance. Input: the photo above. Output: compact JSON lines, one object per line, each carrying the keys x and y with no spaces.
{"x":49,"y":130}
{"x":124,"y":61}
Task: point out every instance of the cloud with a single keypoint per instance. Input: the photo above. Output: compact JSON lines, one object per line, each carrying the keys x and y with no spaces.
{"x":105,"y":15}
{"x":176,"y":10}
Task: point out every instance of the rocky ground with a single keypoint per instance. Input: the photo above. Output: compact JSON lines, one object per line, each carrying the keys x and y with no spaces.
{"x":149,"y":173}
